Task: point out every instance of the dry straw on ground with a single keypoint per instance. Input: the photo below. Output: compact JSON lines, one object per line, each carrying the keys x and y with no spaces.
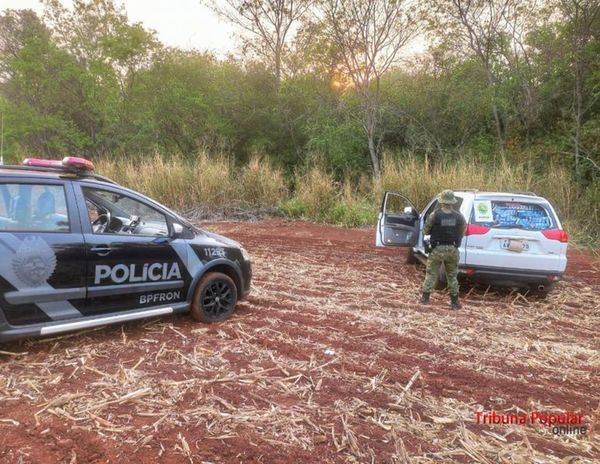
{"x":330,"y":360}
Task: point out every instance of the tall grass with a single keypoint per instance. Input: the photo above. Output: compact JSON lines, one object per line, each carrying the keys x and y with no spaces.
{"x":259,"y":184}
{"x":420,"y":181}
{"x":209,"y":182}
{"x":214,"y":183}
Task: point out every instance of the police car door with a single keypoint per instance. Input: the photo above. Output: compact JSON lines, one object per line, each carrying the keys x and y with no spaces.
{"x":131,"y":263}
{"x":398,"y":223}
{"x":42,"y":265}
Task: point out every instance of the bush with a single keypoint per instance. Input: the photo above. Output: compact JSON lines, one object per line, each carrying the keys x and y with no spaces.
{"x":261,"y":184}
{"x":317,"y":191}
{"x":293,"y":207}
{"x":351,"y":214}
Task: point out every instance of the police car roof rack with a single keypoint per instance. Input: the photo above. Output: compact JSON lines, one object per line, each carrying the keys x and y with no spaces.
{"x":531,"y":194}
{"x":104,"y":179}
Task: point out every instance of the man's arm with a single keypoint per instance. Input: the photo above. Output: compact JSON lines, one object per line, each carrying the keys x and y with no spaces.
{"x":428,"y":224}
{"x":463,"y":224}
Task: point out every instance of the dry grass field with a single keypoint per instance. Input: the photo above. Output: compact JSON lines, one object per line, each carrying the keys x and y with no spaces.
{"x":330,"y":360}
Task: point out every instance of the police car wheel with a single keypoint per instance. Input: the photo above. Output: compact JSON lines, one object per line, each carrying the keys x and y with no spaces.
{"x":215,"y":298}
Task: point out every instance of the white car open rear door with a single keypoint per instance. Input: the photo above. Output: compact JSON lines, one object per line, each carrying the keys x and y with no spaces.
{"x":398,"y":223}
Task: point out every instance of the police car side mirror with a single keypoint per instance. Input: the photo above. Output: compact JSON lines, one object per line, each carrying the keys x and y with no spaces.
{"x":177,"y":229}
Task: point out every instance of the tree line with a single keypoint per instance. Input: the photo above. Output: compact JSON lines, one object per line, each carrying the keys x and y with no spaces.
{"x":344,"y":80}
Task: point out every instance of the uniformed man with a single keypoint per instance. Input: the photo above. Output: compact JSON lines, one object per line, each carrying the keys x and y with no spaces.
{"x":446,"y":226}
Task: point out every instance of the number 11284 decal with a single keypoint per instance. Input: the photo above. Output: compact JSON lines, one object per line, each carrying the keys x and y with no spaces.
{"x":216,"y":252}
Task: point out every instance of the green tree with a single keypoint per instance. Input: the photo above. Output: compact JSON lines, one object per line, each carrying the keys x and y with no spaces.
{"x":42,"y":87}
{"x":369,"y":35}
{"x":113,"y":52}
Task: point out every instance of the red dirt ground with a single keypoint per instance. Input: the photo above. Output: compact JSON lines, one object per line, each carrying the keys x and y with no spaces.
{"x":313,"y":367}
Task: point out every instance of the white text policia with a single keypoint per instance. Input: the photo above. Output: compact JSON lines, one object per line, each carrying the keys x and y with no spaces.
{"x":132,"y":273}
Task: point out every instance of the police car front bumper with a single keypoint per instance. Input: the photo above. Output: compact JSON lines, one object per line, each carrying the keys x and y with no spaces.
{"x":246,"y":270}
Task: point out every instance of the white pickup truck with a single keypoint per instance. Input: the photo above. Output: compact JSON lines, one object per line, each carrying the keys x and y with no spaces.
{"x":512,"y":239}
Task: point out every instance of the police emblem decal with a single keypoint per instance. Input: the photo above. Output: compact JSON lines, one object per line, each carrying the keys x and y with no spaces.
{"x":34,"y":262}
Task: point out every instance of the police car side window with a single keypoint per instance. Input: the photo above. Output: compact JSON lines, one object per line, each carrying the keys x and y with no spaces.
{"x":126,"y":215}
{"x":33,"y":208}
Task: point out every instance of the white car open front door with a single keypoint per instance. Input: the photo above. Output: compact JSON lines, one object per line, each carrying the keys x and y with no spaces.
{"x":398,"y":223}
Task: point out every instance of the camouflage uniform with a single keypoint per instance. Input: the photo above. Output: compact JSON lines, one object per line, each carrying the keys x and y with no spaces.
{"x":443,"y":254}
{"x":448,"y":255}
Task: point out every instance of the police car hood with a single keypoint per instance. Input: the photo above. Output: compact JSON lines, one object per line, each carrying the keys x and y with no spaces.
{"x":209,"y":237}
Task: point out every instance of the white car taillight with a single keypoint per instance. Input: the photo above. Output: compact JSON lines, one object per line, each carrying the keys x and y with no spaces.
{"x":474,"y":229}
{"x":556,"y":234}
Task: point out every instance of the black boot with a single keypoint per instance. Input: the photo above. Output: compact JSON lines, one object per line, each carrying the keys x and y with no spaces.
{"x":455,"y":302}
{"x":424,"y":299}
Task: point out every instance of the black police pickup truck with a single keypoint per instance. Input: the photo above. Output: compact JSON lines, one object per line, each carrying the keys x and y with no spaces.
{"x":77,"y":250}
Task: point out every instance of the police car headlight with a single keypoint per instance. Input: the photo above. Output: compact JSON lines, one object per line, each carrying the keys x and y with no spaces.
{"x":245,"y":254}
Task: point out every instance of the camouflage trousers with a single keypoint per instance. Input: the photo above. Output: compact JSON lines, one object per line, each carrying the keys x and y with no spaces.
{"x":448,"y":255}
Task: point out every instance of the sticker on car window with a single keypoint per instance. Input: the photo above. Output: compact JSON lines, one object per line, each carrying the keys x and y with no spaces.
{"x":483,"y":211}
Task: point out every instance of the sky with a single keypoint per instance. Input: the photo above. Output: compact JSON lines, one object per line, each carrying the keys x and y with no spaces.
{"x":185,"y":24}
{"x":179,"y":23}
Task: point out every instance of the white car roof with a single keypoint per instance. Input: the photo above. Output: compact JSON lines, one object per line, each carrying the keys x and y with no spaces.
{"x":501,"y":195}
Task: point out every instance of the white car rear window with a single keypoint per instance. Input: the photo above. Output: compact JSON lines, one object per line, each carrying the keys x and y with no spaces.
{"x":513,"y":215}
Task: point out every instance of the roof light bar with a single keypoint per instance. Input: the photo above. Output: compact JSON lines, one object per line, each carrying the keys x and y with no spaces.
{"x":42,"y":163}
{"x":69,"y":163}
{"x":77,"y":163}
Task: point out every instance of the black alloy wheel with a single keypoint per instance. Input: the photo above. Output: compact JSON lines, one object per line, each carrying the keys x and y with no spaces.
{"x":215,"y":298}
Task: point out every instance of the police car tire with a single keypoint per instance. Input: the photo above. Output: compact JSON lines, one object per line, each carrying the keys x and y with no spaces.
{"x":211,"y":282}
{"x":441,"y":282}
